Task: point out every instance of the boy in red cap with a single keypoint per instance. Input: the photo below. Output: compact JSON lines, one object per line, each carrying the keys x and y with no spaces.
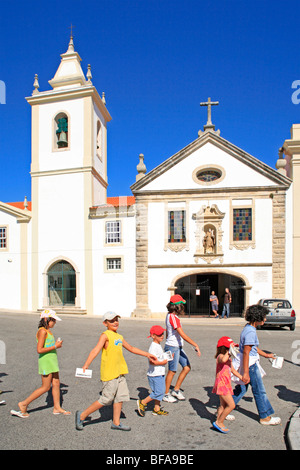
{"x":174,"y":343}
{"x":156,"y":374}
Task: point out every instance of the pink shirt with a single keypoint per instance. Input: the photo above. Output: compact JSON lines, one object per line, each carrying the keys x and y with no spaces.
{"x":222,"y":384}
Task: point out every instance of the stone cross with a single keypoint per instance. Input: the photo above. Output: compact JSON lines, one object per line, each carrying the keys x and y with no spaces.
{"x":209,"y":104}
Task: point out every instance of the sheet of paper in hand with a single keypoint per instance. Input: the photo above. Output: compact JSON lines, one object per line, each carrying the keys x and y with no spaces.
{"x":87,"y":374}
{"x":168,"y":355}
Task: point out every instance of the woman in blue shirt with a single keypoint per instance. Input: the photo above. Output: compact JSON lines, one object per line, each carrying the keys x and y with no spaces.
{"x":256,"y":316}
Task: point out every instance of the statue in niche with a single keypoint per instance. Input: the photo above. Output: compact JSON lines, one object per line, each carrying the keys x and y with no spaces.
{"x":209,"y":241}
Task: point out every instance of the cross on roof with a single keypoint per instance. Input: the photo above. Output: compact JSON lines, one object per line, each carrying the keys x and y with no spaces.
{"x":209,"y":104}
{"x":71,"y":28}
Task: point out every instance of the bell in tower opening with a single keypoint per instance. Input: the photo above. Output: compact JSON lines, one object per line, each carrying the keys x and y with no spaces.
{"x":62,"y":132}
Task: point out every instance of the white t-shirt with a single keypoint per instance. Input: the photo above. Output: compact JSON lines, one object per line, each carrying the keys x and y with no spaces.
{"x":172,"y":323}
{"x":157,"y":351}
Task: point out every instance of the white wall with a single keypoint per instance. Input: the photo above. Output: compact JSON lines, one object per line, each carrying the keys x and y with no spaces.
{"x":61,"y":225}
{"x":114,"y":291}
{"x":10,"y":267}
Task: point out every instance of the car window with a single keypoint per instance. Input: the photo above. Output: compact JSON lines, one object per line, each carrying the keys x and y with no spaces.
{"x":272,"y":303}
{"x":269,"y":303}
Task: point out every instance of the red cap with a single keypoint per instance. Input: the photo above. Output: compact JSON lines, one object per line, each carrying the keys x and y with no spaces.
{"x":177,"y":299}
{"x":226,"y":341}
{"x":156,"y":330}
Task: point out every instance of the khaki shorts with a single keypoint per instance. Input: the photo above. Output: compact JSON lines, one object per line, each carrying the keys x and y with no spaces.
{"x":114,"y":391}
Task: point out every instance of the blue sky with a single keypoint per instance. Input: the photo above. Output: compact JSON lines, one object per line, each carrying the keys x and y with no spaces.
{"x":156,"y":60}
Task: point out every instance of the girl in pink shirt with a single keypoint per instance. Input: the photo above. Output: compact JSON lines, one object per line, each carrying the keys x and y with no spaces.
{"x":222,"y":386}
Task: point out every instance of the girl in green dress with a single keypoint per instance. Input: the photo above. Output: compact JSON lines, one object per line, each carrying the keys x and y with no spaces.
{"x":48,"y":365}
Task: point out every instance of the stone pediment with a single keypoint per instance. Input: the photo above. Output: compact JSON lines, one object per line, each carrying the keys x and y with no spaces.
{"x":210,"y":149}
{"x":20,"y":214}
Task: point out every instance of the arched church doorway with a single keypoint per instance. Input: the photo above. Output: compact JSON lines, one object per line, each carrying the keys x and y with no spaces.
{"x":61,"y":284}
{"x":196,"y":290}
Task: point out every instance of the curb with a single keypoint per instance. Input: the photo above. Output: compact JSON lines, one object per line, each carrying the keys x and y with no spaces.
{"x":293,"y":434}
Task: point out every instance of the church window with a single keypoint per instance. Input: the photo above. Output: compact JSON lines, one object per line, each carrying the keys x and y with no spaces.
{"x":113,"y":264}
{"x":176,"y":226}
{"x":208,"y":175}
{"x":3,"y":237}
{"x":242,"y":224}
{"x":61,"y":131}
{"x":113,"y":232}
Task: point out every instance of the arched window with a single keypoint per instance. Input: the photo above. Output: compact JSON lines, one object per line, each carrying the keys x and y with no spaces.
{"x":61,"y":131}
{"x":61,"y":284}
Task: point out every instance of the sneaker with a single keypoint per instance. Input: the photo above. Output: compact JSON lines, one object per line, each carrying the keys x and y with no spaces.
{"x":160,"y":412}
{"x":177,"y":394}
{"x":230,"y":418}
{"x":141,"y":408}
{"x":168,"y":397}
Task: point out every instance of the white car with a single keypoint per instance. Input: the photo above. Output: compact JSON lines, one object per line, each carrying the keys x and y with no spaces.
{"x":281,"y":312}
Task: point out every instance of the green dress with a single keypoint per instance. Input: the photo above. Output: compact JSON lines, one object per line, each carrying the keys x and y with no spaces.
{"x":48,"y":362}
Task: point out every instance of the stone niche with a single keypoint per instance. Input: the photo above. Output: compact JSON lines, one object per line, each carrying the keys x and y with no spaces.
{"x":209,"y":234}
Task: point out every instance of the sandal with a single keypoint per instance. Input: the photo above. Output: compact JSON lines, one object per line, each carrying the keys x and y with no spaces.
{"x":223,"y":430}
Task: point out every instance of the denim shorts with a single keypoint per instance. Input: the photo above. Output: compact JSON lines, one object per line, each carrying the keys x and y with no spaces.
{"x":179,"y":357}
{"x":158,"y":386}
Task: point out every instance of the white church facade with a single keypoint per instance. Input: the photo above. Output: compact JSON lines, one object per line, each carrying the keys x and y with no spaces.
{"x":209,"y":217}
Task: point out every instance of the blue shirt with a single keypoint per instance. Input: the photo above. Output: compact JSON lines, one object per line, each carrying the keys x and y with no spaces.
{"x":249,"y":338}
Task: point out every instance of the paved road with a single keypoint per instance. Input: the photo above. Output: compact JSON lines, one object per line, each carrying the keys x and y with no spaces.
{"x":188,"y":427}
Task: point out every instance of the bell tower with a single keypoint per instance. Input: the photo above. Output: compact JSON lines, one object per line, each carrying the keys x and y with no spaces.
{"x":68,"y":168}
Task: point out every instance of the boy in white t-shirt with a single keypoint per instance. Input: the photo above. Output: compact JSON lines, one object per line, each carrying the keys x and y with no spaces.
{"x":156,"y":374}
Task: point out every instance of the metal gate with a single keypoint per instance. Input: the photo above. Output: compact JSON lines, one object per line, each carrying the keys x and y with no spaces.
{"x":196,"y":295}
{"x":196,"y":290}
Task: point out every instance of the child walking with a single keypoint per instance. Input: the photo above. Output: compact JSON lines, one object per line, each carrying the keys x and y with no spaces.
{"x":222,"y":386}
{"x":48,"y":366}
{"x":113,"y":371}
{"x":156,"y":374}
{"x":174,"y":343}
{"x":249,"y":365}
